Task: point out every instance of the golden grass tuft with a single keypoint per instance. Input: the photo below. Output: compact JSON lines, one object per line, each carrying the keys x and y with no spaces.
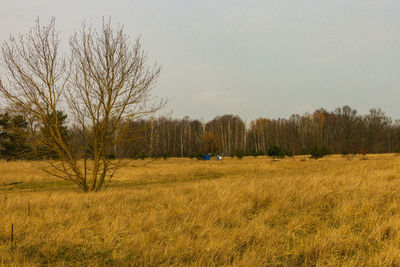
{"x":251,"y":212}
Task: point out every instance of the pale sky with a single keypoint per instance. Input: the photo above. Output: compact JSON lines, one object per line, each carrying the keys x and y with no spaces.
{"x":250,"y":58}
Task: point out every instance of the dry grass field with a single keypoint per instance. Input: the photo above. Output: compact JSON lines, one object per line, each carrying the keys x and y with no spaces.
{"x":183,"y":212}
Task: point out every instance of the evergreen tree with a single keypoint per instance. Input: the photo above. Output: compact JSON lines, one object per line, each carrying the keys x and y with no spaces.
{"x":13,"y":133}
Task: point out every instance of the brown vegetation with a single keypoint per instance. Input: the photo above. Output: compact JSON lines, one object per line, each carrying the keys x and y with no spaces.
{"x":251,"y":212}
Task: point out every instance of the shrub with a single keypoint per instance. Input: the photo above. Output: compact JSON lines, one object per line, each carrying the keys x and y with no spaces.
{"x":199,"y":156}
{"x":239,"y":153}
{"x":289,"y":153}
{"x":326,"y":151}
{"x":156,"y":156}
{"x":317,"y":152}
{"x":276,"y":152}
{"x":255,"y":153}
{"x":305,"y":151}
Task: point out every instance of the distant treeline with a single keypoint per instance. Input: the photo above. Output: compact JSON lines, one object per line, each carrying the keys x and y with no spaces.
{"x":341,"y":131}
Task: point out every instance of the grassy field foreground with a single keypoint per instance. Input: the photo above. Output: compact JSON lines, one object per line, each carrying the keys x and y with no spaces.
{"x":250,"y":212}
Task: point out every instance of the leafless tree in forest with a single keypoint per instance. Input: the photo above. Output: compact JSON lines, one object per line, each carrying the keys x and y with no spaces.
{"x":105,"y":81}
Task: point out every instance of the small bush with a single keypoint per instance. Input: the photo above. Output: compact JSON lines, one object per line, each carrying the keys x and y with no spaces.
{"x":305,"y":151}
{"x":326,"y":151}
{"x":239,"y":153}
{"x":276,"y":152}
{"x":255,"y":153}
{"x":317,"y":152}
{"x":289,"y":153}
{"x":199,"y":156}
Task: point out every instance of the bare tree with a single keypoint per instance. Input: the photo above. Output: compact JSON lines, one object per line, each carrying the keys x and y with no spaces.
{"x":104,"y":81}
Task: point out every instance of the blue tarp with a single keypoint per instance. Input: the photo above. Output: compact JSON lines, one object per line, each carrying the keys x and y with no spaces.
{"x":206,"y":157}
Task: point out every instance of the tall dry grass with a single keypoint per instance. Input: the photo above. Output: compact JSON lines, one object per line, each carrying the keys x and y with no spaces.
{"x":251,"y":212}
